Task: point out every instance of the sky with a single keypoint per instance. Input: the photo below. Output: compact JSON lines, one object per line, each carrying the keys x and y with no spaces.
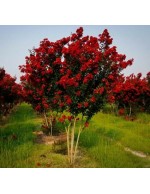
{"x":15,"y":42}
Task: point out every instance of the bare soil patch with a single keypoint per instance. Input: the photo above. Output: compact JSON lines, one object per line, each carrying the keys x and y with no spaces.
{"x":136,"y":153}
{"x":42,"y":138}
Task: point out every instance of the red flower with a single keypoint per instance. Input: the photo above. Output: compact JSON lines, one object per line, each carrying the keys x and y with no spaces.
{"x":86,"y":124}
{"x":111,"y":77}
{"x":78,"y":93}
{"x":111,"y":99}
{"x":73,"y":37}
{"x":38,"y":107}
{"x":123,"y":65}
{"x":55,"y":101}
{"x":64,"y":117}
{"x":61,"y":120}
{"x":99,"y":90}
{"x":62,"y":71}
{"x":38,"y":164}
{"x":62,"y":105}
{"x":78,"y":77}
{"x":65,"y":50}
{"x":93,"y":99}
{"x":121,"y":111}
{"x":51,"y":51}
{"x":46,"y":106}
{"x":86,"y":104}
{"x":79,"y":31}
{"x":57,"y":61}
{"x":69,"y":101}
{"x":87,"y":78}
{"x":71,"y":82}
{"x":43,"y":87}
{"x":59,"y":92}
{"x":70,"y":118}
{"x":49,"y":71}
{"x":79,"y":105}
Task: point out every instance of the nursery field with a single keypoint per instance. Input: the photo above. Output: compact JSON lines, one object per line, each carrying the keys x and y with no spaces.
{"x":108,"y":142}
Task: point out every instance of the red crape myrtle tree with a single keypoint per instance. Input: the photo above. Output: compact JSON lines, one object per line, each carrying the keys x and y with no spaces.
{"x":10,"y":92}
{"x":41,"y":73}
{"x":145,"y":96}
{"x":72,"y":74}
{"x":89,"y":67}
{"x":131,"y":93}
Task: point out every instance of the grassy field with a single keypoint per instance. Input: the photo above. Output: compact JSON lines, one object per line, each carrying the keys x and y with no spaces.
{"x":109,"y":141}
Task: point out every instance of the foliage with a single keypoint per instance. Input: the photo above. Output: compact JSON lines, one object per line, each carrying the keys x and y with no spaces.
{"x":10,"y":92}
{"x":132,"y":93}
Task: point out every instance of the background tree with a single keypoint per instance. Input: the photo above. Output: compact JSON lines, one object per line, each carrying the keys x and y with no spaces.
{"x":131,"y":93}
{"x":145,"y":103}
{"x":41,"y":72}
{"x":10,"y":92}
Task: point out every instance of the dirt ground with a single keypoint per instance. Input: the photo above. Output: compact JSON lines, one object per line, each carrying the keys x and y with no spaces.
{"x":49,"y":140}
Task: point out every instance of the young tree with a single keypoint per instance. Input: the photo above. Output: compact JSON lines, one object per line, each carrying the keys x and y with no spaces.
{"x":72,"y":74}
{"x":90,"y":66}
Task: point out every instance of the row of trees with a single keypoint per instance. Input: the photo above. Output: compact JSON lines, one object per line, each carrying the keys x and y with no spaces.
{"x":10,"y":93}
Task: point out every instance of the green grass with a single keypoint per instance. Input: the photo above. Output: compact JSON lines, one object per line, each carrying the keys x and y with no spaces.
{"x":16,"y":137}
{"x":17,"y":143}
{"x":133,"y":134}
{"x":101,"y":145}
{"x":107,"y":136}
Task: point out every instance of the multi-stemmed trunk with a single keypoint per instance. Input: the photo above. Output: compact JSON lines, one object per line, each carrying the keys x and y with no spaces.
{"x":72,"y":145}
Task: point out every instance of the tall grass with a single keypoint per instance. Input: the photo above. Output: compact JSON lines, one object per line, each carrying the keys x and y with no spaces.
{"x":101,"y":145}
{"x":16,"y":137}
{"x":17,"y":142}
{"x":107,"y":136}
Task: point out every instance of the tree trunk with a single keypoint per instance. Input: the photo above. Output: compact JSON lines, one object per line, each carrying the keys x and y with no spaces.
{"x":76,"y":147}
{"x":130,"y":110}
{"x":72,"y":141}
{"x":46,"y":121}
